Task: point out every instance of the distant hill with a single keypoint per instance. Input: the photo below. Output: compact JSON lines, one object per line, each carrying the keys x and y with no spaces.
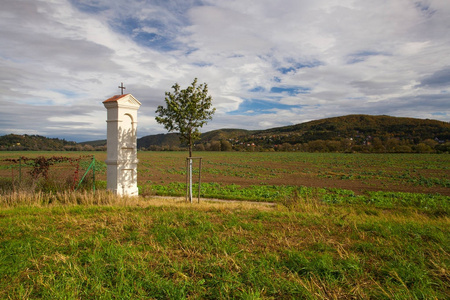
{"x":360,"y":133}
{"x":361,"y":129}
{"x":34,"y":142}
{"x":225,"y":134}
{"x":168,"y":139}
{"x":97,"y":143}
{"x":352,"y":133}
{"x":354,"y":125}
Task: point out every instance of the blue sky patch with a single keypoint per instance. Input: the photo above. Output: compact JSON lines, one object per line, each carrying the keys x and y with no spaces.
{"x":252,"y":107}
{"x":362,"y":56}
{"x":159,"y":40}
{"x":91,"y":8}
{"x":67,"y":93}
{"x":155,"y":41}
{"x":294,"y":66}
{"x":125,"y":26}
{"x":202,"y":64}
{"x":258,"y":89}
{"x":291,"y":91}
{"x":424,"y":8}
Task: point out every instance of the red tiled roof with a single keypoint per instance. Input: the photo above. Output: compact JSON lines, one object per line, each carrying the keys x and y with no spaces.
{"x":115,"y":98}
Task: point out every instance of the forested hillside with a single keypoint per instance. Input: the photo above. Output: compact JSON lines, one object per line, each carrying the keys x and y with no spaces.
{"x":357,"y":133}
{"x":353,"y":133}
{"x":34,"y":142}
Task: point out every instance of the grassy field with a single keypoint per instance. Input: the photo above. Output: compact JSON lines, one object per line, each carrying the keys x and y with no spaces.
{"x":338,"y":237}
{"x":98,"y":247}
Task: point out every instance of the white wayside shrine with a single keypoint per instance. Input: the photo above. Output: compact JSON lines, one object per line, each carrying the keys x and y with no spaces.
{"x":121,"y":158}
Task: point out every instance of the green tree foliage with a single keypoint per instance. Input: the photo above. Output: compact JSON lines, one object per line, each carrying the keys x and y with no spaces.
{"x":215,"y":146}
{"x":186,"y":111}
{"x":225,"y":146}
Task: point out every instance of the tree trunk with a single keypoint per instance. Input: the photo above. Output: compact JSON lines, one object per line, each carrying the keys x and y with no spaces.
{"x":190,"y":144}
{"x":190,"y":168}
{"x":190,"y":180}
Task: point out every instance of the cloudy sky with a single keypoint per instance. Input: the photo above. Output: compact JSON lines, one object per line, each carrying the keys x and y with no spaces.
{"x":267,"y":63}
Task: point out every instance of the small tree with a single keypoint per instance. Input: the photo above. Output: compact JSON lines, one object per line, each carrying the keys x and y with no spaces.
{"x":186,"y":111}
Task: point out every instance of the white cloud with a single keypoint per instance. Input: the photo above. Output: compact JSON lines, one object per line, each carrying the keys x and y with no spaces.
{"x":61,"y":59}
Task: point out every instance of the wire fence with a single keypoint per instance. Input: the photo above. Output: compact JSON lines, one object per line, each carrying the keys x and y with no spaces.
{"x":49,"y":174}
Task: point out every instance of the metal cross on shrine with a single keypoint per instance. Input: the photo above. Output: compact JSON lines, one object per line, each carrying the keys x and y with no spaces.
{"x":122,"y":87}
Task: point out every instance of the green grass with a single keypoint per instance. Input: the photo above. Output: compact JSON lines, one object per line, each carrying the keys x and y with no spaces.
{"x":164,"y":249}
{"x":432,"y":203}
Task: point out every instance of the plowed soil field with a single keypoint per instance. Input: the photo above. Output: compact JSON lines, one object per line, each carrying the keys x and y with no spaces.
{"x":417,"y":173}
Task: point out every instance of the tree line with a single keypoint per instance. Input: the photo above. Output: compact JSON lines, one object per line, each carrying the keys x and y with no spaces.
{"x":376,"y":145}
